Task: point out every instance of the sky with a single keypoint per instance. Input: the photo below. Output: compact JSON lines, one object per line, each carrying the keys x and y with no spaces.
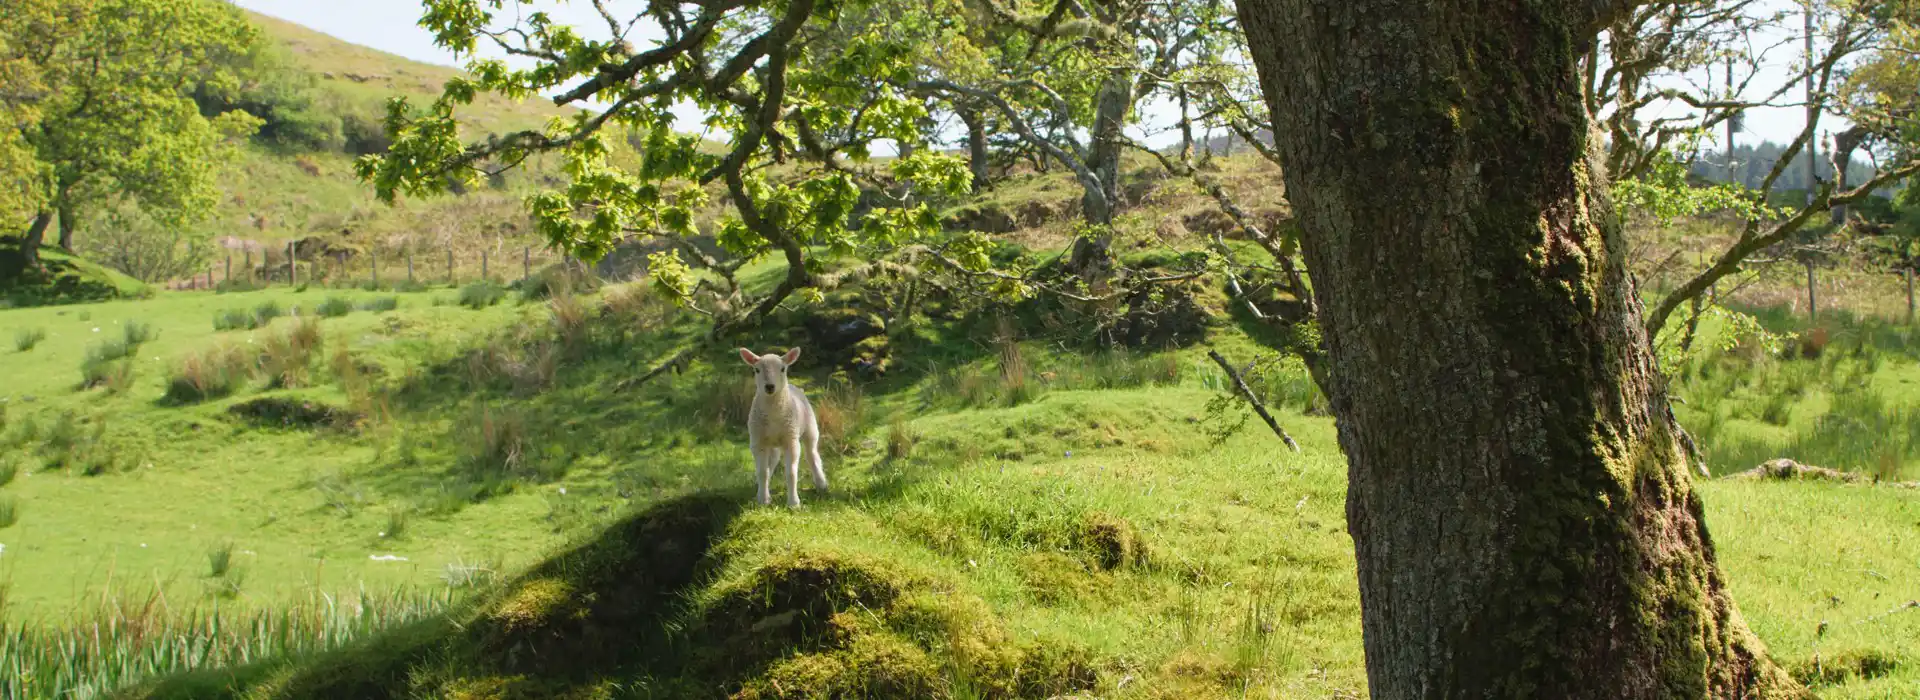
{"x":392,"y":26}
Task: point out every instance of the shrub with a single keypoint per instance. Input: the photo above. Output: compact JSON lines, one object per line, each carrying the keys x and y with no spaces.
{"x":26,"y":338}
{"x":266,"y":311}
{"x":334,"y":307}
{"x":9,"y":511}
{"x":380,"y":304}
{"x":209,"y":374}
{"x":569,"y":322}
{"x":396,"y":523}
{"x":8,"y":470}
{"x":480,"y":295}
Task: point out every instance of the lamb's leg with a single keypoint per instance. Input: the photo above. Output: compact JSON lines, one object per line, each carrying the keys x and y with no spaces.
{"x":792,"y":457}
{"x":813,"y":457}
{"x":763,"y":474}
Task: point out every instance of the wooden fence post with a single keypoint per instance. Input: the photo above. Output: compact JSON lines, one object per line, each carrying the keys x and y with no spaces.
{"x":409,"y":266}
{"x":526,"y":263}
{"x":374,"y":261}
{"x":293,"y":270}
{"x":1813,"y":301}
{"x":483,"y":264}
{"x":449,"y":266}
{"x":229,"y":268}
{"x":247,"y":262}
{"x":1909,"y":276}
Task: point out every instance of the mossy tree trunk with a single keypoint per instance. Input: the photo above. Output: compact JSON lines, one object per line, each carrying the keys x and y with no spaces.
{"x":1522,"y":516}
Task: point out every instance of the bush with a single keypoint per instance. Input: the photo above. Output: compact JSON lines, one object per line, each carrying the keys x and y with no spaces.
{"x":9,"y":512}
{"x":334,"y":307}
{"x":220,"y":559}
{"x":380,"y":304}
{"x":480,"y":295}
{"x":26,"y":338}
{"x":266,"y":312}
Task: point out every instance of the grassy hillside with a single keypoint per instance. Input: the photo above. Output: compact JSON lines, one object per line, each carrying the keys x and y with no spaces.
{"x":276,"y":193}
{"x":456,"y":501}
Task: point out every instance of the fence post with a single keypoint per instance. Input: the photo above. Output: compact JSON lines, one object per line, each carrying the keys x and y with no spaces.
{"x":229,"y":268}
{"x":1813,"y":301}
{"x":247,"y":261}
{"x":1909,"y":272}
{"x":409,"y":266}
{"x":374,"y":261}
{"x":526,"y":263}
{"x":293,"y":270}
{"x":483,"y":264}
{"x":449,"y":265}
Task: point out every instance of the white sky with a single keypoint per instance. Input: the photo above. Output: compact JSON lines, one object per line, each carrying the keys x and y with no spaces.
{"x":392,"y":26}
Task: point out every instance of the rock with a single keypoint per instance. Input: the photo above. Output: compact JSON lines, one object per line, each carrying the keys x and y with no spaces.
{"x":983,"y":218}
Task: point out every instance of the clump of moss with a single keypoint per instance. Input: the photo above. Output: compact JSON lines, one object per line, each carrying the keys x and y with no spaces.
{"x":1055,"y":578}
{"x":536,"y":604}
{"x":875,"y":665}
{"x":1112,"y":541}
{"x":1844,"y":668}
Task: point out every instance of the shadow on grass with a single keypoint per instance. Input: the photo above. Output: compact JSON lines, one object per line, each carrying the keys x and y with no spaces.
{"x":600,"y":613}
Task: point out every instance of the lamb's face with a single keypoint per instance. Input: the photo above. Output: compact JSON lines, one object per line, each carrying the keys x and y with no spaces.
{"x":770,"y":371}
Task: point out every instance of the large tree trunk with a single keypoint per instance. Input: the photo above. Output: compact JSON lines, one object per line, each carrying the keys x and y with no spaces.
{"x":1521,"y":512}
{"x":36,"y":235}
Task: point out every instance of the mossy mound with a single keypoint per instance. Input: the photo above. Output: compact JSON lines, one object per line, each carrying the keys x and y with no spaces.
{"x":60,"y":278}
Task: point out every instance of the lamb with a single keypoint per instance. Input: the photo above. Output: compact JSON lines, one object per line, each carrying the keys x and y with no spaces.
{"x":781,"y":426}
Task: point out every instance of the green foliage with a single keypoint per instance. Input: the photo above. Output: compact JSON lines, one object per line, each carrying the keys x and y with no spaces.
{"x":1664,"y":194}
{"x":1719,"y":329}
{"x":127,"y":128}
{"x":380,"y":304}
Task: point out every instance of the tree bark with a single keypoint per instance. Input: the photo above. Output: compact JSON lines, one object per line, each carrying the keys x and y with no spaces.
{"x":1522,"y":515}
{"x":36,"y":235}
{"x":68,"y":222}
{"x":1093,"y":254}
{"x":977,"y":154}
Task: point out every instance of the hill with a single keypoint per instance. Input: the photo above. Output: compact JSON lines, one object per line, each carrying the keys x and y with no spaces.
{"x":289,"y":189}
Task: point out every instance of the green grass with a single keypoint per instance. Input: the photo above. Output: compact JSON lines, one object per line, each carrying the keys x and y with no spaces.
{"x":25,"y":339}
{"x":994,"y":506}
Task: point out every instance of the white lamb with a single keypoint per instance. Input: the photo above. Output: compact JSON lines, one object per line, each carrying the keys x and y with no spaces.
{"x":781,"y":426}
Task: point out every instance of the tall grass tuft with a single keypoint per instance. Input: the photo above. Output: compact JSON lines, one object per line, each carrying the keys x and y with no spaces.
{"x":220,"y":559}
{"x":482,"y":294}
{"x":380,"y":304}
{"x":136,"y":334}
{"x":234,"y":319}
{"x":9,"y":511}
{"x":210,"y":374}
{"x":124,"y":642}
{"x":97,"y":366}
{"x":25,"y":339}
{"x":569,"y":322}
{"x":287,"y":358}
{"x":840,"y":411}
{"x":334,"y":307}
{"x":496,"y":453}
{"x":8,"y":470}
{"x":901,"y":439}
{"x":265,"y":312}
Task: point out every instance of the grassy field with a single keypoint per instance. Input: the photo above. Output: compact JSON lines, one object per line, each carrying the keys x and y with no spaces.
{"x":1006,"y":520}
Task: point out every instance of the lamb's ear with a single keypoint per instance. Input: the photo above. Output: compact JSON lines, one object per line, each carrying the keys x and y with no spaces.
{"x":791,"y":357}
{"x":748,"y":355}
